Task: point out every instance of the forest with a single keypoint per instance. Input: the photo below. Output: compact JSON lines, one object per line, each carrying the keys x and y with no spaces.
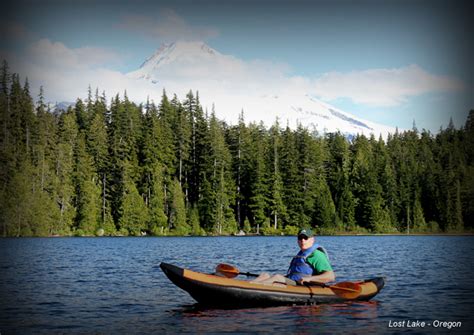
{"x":117,"y":168}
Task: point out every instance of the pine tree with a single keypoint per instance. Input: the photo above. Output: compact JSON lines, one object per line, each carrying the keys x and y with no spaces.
{"x":218,"y":183}
{"x":240,"y":145}
{"x":258,"y":177}
{"x":317,"y":205}
{"x":177,"y":218}
{"x":64,"y":169}
{"x":125,"y":132}
{"x":339,"y":163}
{"x":182,"y":142}
{"x":18,"y":210}
{"x":370,"y":211}
{"x":134,"y":216}
{"x":419,"y":223}
{"x":277,"y":207}
{"x":81,"y":115}
{"x":194,"y":223}
{"x":158,"y":220}
{"x":467,"y":186}
{"x":6,"y":159}
{"x":289,"y":173}
{"x":88,"y":193}
{"x":97,"y":147}
{"x":166,"y":117}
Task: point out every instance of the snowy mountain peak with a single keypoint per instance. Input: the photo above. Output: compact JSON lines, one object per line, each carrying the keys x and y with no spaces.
{"x":181,"y":51}
{"x":261,"y":89}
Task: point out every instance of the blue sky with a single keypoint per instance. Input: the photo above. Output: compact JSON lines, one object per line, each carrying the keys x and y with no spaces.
{"x":391,"y":62}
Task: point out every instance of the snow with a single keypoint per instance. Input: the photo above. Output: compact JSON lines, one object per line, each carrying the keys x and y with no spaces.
{"x":263,"y":91}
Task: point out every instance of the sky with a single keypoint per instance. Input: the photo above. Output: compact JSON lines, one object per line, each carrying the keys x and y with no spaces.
{"x":390,"y":62}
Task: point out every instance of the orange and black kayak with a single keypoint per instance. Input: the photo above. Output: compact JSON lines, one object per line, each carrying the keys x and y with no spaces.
{"x":218,"y":291}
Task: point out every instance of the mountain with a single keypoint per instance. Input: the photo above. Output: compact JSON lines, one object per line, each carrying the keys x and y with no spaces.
{"x":230,"y":85}
{"x":184,"y":54}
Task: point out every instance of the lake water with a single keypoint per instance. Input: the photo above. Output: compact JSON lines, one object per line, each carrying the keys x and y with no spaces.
{"x":114,"y":285}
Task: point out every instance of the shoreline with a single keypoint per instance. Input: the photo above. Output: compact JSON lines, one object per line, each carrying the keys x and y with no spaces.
{"x":249,"y":235}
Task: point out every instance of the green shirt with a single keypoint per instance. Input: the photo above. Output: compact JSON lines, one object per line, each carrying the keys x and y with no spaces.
{"x":319,"y":261}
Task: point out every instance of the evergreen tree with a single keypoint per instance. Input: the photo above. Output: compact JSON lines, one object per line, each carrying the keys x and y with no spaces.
{"x":339,"y":163}
{"x":467,"y":186}
{"x":125,"y":132}
{"x":97,"y":147}
{"x":258,"y":177}
{"x":218,"y":183}
{"x":177,"y":218}
{"x":64,"y":170}
{"x":317,"y":205}
{"x":88,"y":193}
{"x":134,"y":216}
{"x":277,"y":206}
{"x":182,"y":142}
{"x":193,"y":222}
{"x":370,"y":211}
{"x":158,"y":223}
{"x":81,"y":115}
{"x":419,"y":223}
{"x":166,"y":117}
{"x":240,"y":145}
{"x":289,"y":173}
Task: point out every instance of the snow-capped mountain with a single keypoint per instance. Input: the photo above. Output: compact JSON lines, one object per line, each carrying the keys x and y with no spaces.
{"x":263,"y":91}
{"x":181,"y":53}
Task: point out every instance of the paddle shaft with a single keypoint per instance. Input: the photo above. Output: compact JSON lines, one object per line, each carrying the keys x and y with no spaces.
{"x":333,"y":287}
{"x":231,"y":271}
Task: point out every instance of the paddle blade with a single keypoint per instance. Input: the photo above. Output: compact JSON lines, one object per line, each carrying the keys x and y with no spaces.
{"x":347,"y":290}
{"x":227,"y":270}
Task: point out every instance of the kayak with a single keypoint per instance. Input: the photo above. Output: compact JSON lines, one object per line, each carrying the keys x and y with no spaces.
{"x":219,"y":291}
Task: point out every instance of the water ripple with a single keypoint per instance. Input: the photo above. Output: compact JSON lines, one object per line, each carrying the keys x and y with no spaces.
{"x":107,"y":285}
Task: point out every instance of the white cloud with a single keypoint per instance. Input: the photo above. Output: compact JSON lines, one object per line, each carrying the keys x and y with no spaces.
{"x":383,"y":87}
{"x":167,"y":27}
{"x":56,"y":55}
{"x":66,"y":73}
{"x":61,"y":69}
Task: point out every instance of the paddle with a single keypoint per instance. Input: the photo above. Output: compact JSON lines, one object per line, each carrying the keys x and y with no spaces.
{"x":230,"y":271}
{"x":346,"y":290}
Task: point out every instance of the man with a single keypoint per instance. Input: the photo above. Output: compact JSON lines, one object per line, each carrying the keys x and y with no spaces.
{"x":310,"y":264}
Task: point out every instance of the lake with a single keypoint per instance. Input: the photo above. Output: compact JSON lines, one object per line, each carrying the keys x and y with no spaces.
{"x":114,"y":285}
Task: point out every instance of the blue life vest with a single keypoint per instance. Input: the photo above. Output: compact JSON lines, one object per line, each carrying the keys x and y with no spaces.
{"x":299,"y":268}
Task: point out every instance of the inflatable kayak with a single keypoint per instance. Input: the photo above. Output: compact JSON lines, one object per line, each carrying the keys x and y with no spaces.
{"x":215,"y":290}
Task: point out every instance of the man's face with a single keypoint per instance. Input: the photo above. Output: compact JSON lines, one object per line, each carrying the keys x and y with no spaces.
{"x":305,"y":242}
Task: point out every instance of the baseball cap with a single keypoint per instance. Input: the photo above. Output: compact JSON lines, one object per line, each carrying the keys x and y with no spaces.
{"x":306,"y":232}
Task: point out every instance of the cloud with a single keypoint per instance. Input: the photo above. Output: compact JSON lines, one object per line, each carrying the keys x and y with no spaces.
{"x":261,"y":87}
{"x":67,"y":72}
{"x":383,"y":87}
{"x":167,"y":27}
{"x":56,"y":55}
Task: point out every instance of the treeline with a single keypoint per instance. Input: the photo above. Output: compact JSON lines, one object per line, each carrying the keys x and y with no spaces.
{"x":119,"y":168}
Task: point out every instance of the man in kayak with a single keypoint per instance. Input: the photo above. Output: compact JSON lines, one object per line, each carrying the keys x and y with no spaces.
{"x":310,"y":264}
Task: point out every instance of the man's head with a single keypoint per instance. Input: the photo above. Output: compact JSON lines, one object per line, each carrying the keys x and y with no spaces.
{"x":305,"y":238}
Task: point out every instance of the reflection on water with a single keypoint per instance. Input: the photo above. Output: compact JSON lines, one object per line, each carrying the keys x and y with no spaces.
{"x":278,"y":319}
{"x":106,"y":285}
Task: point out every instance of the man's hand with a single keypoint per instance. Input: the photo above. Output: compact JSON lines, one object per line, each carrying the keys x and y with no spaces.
{"x":301,"y":281}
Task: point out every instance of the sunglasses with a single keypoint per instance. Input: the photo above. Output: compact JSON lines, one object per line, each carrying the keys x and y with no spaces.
{"x":302,"y":237}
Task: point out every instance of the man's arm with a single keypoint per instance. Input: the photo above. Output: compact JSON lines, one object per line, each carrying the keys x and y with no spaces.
{"x":324,"y":277}
{"x":320,"y":262}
